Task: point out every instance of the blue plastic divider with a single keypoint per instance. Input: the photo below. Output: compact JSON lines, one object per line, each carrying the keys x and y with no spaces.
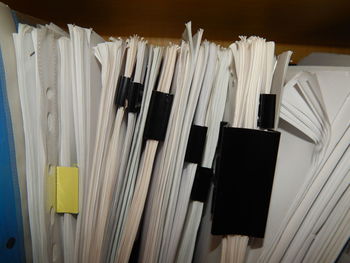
{"x":11,"y":231}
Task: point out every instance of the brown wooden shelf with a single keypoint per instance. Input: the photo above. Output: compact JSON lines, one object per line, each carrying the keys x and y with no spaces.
{"x":304,"y":26}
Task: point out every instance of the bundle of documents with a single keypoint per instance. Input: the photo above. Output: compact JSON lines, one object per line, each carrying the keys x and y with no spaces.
{"x":254,"y":63}
{"x":36,"y":54}
{"x":142,"y":125}
{"x":321,"y":115}
{"x":211,"y":119}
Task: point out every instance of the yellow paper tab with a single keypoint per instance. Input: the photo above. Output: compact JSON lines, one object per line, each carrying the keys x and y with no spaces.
{"x":67,"y":191}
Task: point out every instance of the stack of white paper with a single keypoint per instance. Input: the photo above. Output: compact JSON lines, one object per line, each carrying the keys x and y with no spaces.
{"x":178,"y":199}
{"x":127,"y":190}
{"x":204,"y":77}
{"x":110,"y":55}
{"x":136,"y":207}
{"x":254,"y":64}
{"x":36,"y":54}
{"x":211,"y":118}
{"x":68,"y":85}
{"x":160,"y":207}
{"x":112,"y":162}
{"x":67,"y":150}
{"x":86,"y":90}
{"x":318,"y":214}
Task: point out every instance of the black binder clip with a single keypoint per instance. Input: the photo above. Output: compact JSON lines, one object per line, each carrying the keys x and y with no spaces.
{"x":158,"y":116}
{"x":134,"y":97}
{"x":245,"y":170}
{"x":195,"y":144}
{"x":124,"y":84}
{"x":266,"y":114}
{"x":201,"y":184}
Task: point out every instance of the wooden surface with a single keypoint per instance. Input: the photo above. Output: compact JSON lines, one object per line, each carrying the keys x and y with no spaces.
{"x":301,"y":22}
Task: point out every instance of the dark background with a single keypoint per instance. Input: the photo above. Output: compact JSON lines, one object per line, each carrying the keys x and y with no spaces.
{"x":308,"y":22}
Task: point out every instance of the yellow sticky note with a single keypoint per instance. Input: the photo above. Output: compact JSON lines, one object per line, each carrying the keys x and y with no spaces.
{"x":67,"y":190}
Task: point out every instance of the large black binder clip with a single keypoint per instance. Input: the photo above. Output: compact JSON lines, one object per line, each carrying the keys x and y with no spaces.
{"x":244,"y":172}
{"x":195,"y":144}
{"x":158,"y":116}
{"x":246,"y":169}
